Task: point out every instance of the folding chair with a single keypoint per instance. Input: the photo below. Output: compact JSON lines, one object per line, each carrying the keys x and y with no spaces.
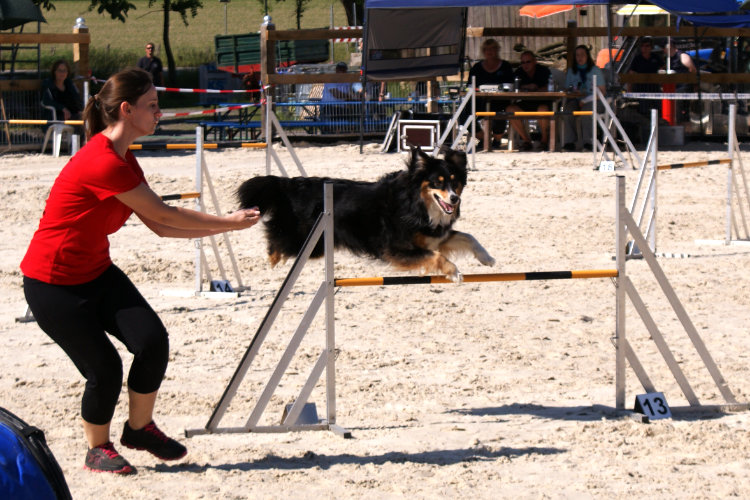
{"x":56,"y":130}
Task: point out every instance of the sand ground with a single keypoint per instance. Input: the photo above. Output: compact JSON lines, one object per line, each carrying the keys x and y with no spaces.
{"x":495,"y":390}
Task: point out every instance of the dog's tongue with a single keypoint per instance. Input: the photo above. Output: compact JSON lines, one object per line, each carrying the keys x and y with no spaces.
{"x":448,"y":208}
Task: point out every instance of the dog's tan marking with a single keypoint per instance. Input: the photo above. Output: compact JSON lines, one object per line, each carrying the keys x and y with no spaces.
{"x":433,"y":263}
{"x":274,"y":258}
{"x":464,"y":243}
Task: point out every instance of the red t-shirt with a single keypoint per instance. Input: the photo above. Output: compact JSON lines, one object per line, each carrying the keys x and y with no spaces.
{"x":71,"y":245}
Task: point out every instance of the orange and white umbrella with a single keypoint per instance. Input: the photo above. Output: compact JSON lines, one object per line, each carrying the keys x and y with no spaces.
{"x":537,"y":11}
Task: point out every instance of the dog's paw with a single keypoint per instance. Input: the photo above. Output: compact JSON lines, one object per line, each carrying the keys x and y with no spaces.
{"x":486,"y":259}
{"x":456,"y":277}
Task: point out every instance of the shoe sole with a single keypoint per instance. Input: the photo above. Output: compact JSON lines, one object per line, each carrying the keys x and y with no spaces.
{"x":126,"y":445}
{"x":128,"y":470}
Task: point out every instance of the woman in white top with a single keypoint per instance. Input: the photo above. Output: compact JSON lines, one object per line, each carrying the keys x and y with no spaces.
{"x":580,"y":78}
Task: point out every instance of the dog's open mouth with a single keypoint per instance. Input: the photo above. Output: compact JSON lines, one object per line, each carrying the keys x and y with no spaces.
{"x":447,"y":207}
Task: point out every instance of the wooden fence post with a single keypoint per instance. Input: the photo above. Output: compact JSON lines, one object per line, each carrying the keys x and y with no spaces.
{"x":81,"y":54}
{"x":267,"y":67}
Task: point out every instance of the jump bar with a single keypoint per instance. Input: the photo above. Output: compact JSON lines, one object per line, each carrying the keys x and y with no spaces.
{"x":489,"y":114}
{"x":693,"y":164}
{"x":180,"y":196}
{"x":477,"y":278}
{"x":210,"y":145}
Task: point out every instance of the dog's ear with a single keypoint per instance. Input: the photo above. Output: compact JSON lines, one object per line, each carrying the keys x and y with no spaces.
{"x":457,"y":158}
{"x":417,"y":160}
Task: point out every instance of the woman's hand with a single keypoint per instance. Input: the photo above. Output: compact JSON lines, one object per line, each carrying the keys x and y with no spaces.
{"x":244,"y":218}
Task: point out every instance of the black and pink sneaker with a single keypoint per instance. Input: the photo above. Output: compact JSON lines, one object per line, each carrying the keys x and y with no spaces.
{"x":151,"y":439}
{"x":104,"y":458}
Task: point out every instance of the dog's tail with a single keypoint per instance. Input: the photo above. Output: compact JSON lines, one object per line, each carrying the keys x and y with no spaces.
{"x":262,"y":192}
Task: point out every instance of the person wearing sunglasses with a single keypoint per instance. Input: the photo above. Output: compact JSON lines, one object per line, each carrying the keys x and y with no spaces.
{"x":151,"y":64}
{"x":532,"y":78}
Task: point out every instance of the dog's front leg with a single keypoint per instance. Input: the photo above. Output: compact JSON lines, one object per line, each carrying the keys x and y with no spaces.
{"x":458,"y":243}
{"x":429,"y":262}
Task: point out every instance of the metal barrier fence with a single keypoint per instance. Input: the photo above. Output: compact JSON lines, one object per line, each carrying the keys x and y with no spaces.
{"x":300,"y":109}
{"x":21,"y":104}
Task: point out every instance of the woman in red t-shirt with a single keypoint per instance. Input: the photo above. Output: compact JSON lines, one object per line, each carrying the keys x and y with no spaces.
{"x":78,"y":295}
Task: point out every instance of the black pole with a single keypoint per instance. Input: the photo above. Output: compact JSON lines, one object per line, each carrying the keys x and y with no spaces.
{"x":609,"y":43}
{"x":363,"y":79}
{"x":698,"y":79}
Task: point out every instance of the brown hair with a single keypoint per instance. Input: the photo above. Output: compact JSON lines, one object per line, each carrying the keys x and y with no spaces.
{"x":490,"y":42}
{"x":57,"y":64}
{"x":589,"y":59}
{"x":103,"y":109}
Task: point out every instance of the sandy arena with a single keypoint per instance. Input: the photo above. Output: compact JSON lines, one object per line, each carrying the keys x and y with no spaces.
{"x":493,"y":390}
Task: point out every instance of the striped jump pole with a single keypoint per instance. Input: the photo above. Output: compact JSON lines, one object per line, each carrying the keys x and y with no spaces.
{"x":671,"y":166}
{"x":478,"y":278}
{"x":161,"y":146}
{"x":180,"y":196}
{"x":42,"y":122}
{"x":531,"y":114}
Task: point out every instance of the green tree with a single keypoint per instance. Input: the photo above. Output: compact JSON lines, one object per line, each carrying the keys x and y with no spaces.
{"x":355,"y":11}
{"x":118,"y":9}
{"x":299,"y":9}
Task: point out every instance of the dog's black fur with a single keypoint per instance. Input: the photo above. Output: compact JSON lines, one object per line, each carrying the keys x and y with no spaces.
{"x":405,"y":218}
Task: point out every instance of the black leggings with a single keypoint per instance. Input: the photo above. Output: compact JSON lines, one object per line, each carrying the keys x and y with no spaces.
{"x":78,"y":317}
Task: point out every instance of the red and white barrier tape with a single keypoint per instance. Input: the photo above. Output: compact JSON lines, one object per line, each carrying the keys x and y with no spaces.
{"x":207,"y":111}
{"x":206,"y":91}
{"x":346,"y":40}
{"x":687,"y":96}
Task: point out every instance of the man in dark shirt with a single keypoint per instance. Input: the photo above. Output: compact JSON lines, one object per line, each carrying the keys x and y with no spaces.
{"x":152,"y":64}
{"x":492,"y":71}
{"x":646,"y":62}
{"x":532,"y":78}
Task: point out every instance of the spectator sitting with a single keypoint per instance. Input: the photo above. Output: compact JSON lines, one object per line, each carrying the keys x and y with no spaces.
{"x":340,"y":91}
{"x":680,"y":62}
{"x":152,"y":64}
{"x":533,"y":78}
{"x":580,"y":78}
{"x":251,"y":81}
{"x":59,"y":92}
{"x":646,"y":62}
{"x":491,"y":71}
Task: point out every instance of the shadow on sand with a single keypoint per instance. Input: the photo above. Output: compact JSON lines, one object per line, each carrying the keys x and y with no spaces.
{"x":312,"y":460}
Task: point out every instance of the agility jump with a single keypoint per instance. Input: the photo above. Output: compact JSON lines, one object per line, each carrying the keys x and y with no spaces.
{"x":202,"y":174}
{"x":644,"y":201}
{"x":292,"y":418}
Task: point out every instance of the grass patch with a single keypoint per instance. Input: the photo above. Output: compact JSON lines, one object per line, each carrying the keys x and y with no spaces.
{"x":115,"y":45}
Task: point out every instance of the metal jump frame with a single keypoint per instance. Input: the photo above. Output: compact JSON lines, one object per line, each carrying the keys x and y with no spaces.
{"x":625,"y":224}
{"x":644,"y":200}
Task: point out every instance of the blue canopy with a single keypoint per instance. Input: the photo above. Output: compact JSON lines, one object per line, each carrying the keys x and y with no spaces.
{"x":415,"y":4}
{"x":424,"y":38}
{"x":719,"y":13}
{"x":716,"y":13}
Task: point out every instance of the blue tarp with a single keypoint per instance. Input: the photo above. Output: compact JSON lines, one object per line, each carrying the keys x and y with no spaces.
{"x":414,"y":4}
{"x":718,"y":13}
{"x":424,"y":38}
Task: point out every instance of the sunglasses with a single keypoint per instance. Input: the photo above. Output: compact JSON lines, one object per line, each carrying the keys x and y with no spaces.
{"x":149,"y":48}
{"x":526,"y":62}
